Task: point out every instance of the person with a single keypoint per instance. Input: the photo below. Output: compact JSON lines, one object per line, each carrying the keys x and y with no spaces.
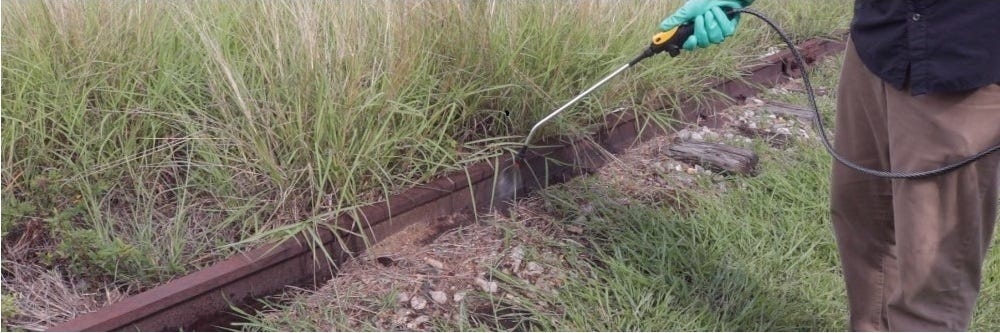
{"x":918,"y":89}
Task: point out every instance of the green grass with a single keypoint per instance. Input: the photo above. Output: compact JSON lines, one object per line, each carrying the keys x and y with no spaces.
{"x":147,"y":139}
{"x":760,"y":256}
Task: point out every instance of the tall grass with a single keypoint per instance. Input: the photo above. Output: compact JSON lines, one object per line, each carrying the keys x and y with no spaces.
{"x":143,"y":138}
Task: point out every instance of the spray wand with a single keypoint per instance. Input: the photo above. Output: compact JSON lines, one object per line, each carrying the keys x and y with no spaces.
{"x":669,"y":41}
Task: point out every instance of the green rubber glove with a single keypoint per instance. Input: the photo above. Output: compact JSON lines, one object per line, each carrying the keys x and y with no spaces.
{"x":711,"y":25}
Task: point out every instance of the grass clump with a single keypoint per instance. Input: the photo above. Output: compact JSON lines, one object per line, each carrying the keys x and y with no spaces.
{"x":85,"y":254}
{"x":758,"y":257}
{"x":9,"y":310}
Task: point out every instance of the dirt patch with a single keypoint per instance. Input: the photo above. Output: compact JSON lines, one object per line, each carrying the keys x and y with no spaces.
{"x":416,"y":280}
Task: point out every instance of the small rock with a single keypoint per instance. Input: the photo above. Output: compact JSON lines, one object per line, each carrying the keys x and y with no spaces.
{"x":684,"y":134}
{"x":402,"y":297}
{"x":459,"y":296}
{"x":385,"y":261}
{"x":573,"y":229}
{"x":516,"y":256}
{"x":401,"y":317}
{"x":532,"y":268}
{"x":658,"y":167}
{"x":783,"y":131}
{"x":418,"y":321}
{"x":487,"y":286}
{"x":434,"y":263}
{"x":697,"y":137}
{"x":439,"y":297}
{"x":418,"y":303}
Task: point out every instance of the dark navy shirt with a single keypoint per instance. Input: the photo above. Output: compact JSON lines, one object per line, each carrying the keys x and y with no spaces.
{"x":929,"y":45}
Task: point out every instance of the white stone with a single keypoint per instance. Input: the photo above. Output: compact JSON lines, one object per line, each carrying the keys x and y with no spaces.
{"x":533,"y":268}
{"x":401,"y":317}
{"x":487,"y":286}
{"x":417,"y":322}
{"x":418,"y":303}
{"x":434,"y":263}
{"x":439,"y":297}
{"x":684,"y":134}
{"x":516,"y":256}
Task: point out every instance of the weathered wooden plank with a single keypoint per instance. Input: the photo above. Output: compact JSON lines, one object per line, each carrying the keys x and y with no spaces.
{"x":715,"y":156}
{"x":786,"y":110}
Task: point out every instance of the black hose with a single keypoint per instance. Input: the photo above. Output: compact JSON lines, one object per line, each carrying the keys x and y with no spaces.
{"x":822,"y":129}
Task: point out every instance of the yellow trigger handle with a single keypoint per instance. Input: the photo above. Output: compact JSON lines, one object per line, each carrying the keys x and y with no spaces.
{"x":663,"y":37}
{"x":672,"y":40}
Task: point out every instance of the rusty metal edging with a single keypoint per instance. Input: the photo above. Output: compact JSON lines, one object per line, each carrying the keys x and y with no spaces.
{"x":198,"y":299}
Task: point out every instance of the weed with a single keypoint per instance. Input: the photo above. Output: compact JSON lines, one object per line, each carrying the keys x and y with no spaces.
{"x":86,"y":254}
{"x":9,"y":309}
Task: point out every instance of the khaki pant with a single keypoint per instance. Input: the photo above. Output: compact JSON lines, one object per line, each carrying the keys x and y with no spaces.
{"x":912,"y":250}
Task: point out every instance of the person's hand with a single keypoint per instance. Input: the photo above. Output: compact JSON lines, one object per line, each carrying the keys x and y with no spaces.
{"x":711,"y":24}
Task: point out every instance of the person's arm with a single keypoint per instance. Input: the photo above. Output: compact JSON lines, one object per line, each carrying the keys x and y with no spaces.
{"x":711,"y":24}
